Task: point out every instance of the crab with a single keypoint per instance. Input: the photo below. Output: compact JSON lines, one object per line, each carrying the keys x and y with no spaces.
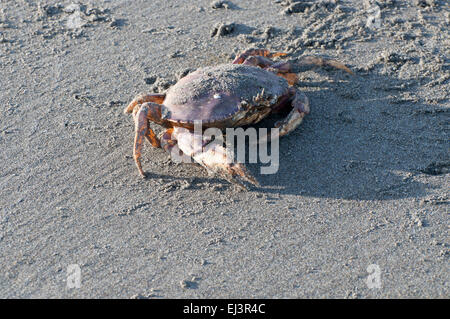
{"x":225,"y":96}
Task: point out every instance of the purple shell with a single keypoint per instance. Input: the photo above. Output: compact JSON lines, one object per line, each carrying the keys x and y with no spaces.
{"x":217,"y":93}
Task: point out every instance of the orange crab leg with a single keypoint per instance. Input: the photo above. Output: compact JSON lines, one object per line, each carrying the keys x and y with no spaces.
{"x":318,"y":61}
{"x":282,"y":69}
{"x":256,"y":52}
{"x":292,"y":78}
{"x":146,"y":111}
{"x":300,"y":108}
{"x":142,"y":98}
{"x":170,"y":145}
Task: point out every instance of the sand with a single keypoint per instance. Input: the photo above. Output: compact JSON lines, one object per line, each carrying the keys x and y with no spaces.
{"x":363,"y":181}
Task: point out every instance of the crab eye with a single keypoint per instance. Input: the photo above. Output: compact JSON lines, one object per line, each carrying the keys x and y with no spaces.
{"x":217,"y":96}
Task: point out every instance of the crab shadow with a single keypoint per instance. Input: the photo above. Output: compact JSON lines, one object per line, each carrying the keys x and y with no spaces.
{"x":361,"y":141}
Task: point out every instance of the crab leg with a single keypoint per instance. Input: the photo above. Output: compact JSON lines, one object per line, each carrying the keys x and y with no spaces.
{"x":143,"y":130}
{"x":265,"y":63}
{"x":142,"y":98}
{"x":256,"y":52}
{"x":318,"y":61}
{"x":212,"y":156}
{"x":281,"y":68}
{"x":300,"y":108}
{"x":170,"y":145}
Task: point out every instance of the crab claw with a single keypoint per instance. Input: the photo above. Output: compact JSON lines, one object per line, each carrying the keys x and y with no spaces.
{"x":214,"y":157}
{"x":238,"y":170}
{"x":235,"y":173}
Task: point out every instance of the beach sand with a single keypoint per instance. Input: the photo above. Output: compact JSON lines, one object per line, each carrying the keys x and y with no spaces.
{"x":363,"y":181}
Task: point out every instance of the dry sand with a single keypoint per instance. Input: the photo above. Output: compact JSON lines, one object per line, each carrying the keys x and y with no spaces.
{"x":363,"y":181}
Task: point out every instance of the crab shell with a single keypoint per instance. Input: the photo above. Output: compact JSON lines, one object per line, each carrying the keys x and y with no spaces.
{"x":227,"y":95}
